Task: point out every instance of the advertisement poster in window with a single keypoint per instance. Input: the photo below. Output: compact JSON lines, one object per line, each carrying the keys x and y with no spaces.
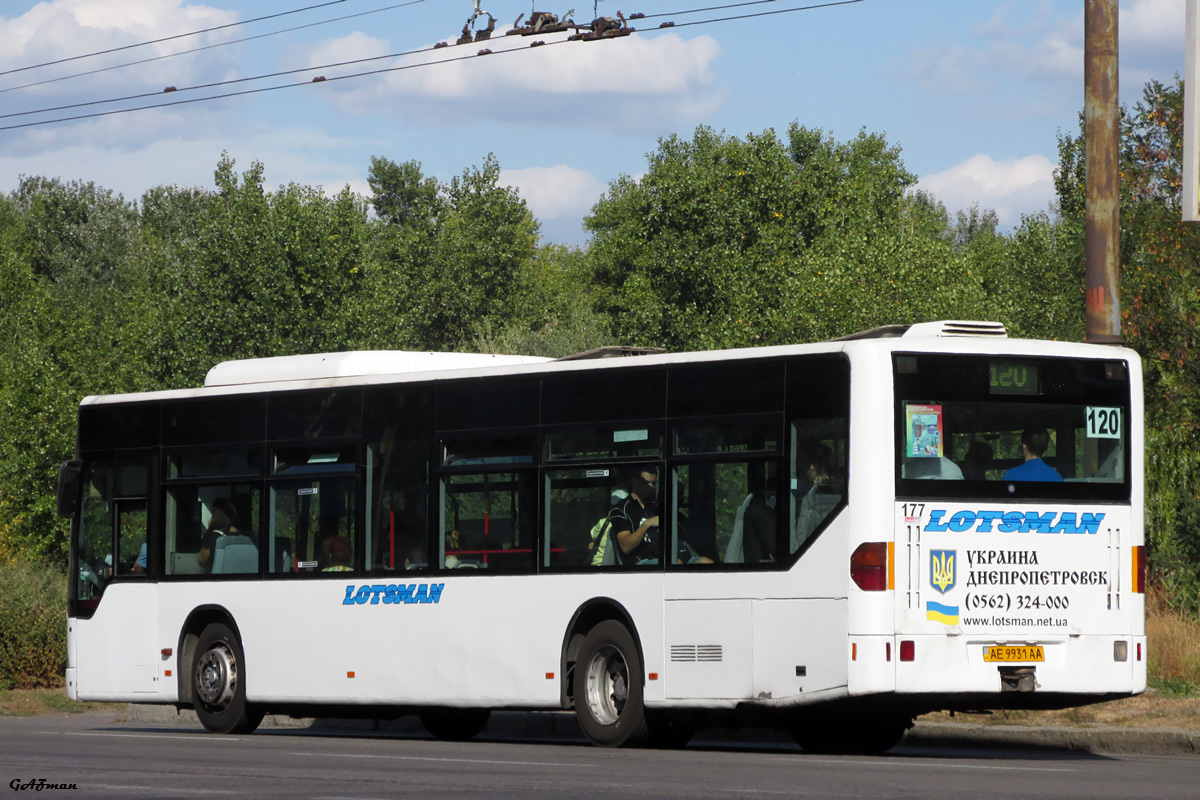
{"x":924,"y":431}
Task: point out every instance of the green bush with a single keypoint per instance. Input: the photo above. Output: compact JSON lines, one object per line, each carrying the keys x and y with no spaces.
{"x":33,"y":630}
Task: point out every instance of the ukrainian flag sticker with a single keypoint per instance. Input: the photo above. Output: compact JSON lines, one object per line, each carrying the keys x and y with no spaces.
{"x":939,"y":612}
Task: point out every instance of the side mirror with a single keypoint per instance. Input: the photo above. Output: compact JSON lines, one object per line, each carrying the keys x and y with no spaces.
{"x":70,"y":477}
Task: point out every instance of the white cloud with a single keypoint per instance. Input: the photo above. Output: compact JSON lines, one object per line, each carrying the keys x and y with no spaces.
{"x":597,"y":84}
{"x":1152,"y":22}
{"x":351,"y":47}
{"x":555,"y":192}
{"x":65,"y":28}
{"x":1023,"y":44}
{"x":1010,"y":187}
{"x":290,"y":155}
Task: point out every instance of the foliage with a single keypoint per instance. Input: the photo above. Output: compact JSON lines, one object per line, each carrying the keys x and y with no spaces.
{"x":553,"y":302}
{"x":257,"y":273}
{"x":448,"y":259}
{"x":727,"y":242}
{"x":33,"y":636}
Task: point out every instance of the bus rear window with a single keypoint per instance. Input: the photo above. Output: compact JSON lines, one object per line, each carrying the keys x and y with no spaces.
{"x":982,"y":426}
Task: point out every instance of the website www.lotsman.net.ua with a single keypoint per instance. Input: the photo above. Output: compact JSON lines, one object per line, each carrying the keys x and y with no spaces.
{"x":1015,"y":622}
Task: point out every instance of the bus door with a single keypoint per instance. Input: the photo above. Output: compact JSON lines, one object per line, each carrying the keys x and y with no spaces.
{"x":115,"y":613}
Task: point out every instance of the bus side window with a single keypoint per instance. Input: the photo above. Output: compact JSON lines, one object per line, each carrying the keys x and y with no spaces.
{"x":818,"y":482}
{"x":818,"y":401}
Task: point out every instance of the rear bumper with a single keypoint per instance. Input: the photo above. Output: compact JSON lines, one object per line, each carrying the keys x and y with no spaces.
{"x":1073,"y":665}
{"x":1082,"y":668}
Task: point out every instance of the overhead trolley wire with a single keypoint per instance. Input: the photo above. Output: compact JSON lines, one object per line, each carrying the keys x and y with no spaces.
{"x":260,"y":90}
{"x":745,"y":16}
{"x":170,"y":38}
{"x":210,"y":47}
{"x":368,"y":73}
{"x":230,"y":82}
{"x":710,"y":8}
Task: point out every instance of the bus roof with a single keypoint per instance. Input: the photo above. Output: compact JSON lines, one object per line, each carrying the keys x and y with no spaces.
{"x":330,"y":370}
{"x":356,"y":364}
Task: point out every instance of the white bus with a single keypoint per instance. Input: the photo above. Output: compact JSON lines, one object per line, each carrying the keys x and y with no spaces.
{"x":827,"y":538}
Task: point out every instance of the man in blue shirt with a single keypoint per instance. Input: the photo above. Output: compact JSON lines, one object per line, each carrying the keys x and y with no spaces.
{"x":1033,"y":446}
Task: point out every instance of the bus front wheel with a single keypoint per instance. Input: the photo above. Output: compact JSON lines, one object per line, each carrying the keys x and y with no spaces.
{"x":608,"y":687}
{"x":219,"y":683}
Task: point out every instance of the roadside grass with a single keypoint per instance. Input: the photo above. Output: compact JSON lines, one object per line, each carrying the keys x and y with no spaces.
{"x":1173,"y":644}
{"x":35,"y":702}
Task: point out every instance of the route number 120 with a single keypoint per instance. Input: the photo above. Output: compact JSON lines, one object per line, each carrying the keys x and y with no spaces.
{"x":1103,"y":423}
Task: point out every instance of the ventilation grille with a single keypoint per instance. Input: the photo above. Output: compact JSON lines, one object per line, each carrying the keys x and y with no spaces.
{"x":956,"y":327}
{"x":696,"y":652}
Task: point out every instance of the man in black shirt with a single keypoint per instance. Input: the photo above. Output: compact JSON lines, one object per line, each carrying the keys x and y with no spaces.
{"x":635,"y":520}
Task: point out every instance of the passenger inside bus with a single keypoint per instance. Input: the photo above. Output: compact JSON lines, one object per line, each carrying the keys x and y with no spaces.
{"x":341,"y":554}
{"x":977,"y":461}
{"x":818,"y":501}
{"x":1034,"y":443}
{"x":753,"y":537}
{"x":635,"y":520}
{"x":414,"y":555}
{"x":224,"y":521}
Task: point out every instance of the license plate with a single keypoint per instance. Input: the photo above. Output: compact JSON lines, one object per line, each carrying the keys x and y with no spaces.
{"x":1014,"y":654}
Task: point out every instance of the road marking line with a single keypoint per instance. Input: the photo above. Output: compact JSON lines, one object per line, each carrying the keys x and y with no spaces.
{"x":453,"y":760}
{"x":196,"y":738}
{"x":896,"y":762}
{"x":156,"y":789}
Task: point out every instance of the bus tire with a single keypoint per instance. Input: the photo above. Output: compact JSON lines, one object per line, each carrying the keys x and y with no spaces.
{"x":219,"y":683}
{"x":608,"y":687}
{"x":455,"y":724}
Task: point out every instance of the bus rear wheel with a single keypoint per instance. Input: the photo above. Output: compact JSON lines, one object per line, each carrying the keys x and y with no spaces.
{"x":219,"y":683}
{"x":455,"y":724}
{"x":608,"y":687}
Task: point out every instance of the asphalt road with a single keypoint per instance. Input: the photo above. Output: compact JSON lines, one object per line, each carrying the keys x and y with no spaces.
{"x":103,"y":758}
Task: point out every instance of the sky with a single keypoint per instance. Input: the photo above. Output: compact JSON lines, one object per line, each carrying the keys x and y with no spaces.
{"x":973,"y":92}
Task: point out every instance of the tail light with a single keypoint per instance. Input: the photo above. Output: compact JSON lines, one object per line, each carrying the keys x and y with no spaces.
{"x":908,"y":650}
{"x":869,"y":567}
{"x":1139,"y":569}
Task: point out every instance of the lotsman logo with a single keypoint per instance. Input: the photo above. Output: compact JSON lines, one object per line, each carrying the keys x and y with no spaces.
{"x":1013,"y":522}
{"x":393,"y":593}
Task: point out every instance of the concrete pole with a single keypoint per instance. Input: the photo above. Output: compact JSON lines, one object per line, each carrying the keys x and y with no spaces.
{"x":1103,"y":135}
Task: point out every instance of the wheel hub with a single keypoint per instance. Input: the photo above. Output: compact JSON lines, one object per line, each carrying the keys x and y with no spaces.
{"x":607,"y":685}
{"x":216,"y":677}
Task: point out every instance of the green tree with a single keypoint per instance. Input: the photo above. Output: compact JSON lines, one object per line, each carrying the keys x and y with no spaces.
{"x":72,"y":324}
{"x":75,"y":231}
{"x":553,"y":308}
{"x":730,"y":242}
{"x":446,"y":264}
{"x":244,"y":272}
{"x":402,"y":195}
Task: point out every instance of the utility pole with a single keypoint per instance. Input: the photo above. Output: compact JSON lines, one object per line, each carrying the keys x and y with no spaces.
{"x":1103,"y":136}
